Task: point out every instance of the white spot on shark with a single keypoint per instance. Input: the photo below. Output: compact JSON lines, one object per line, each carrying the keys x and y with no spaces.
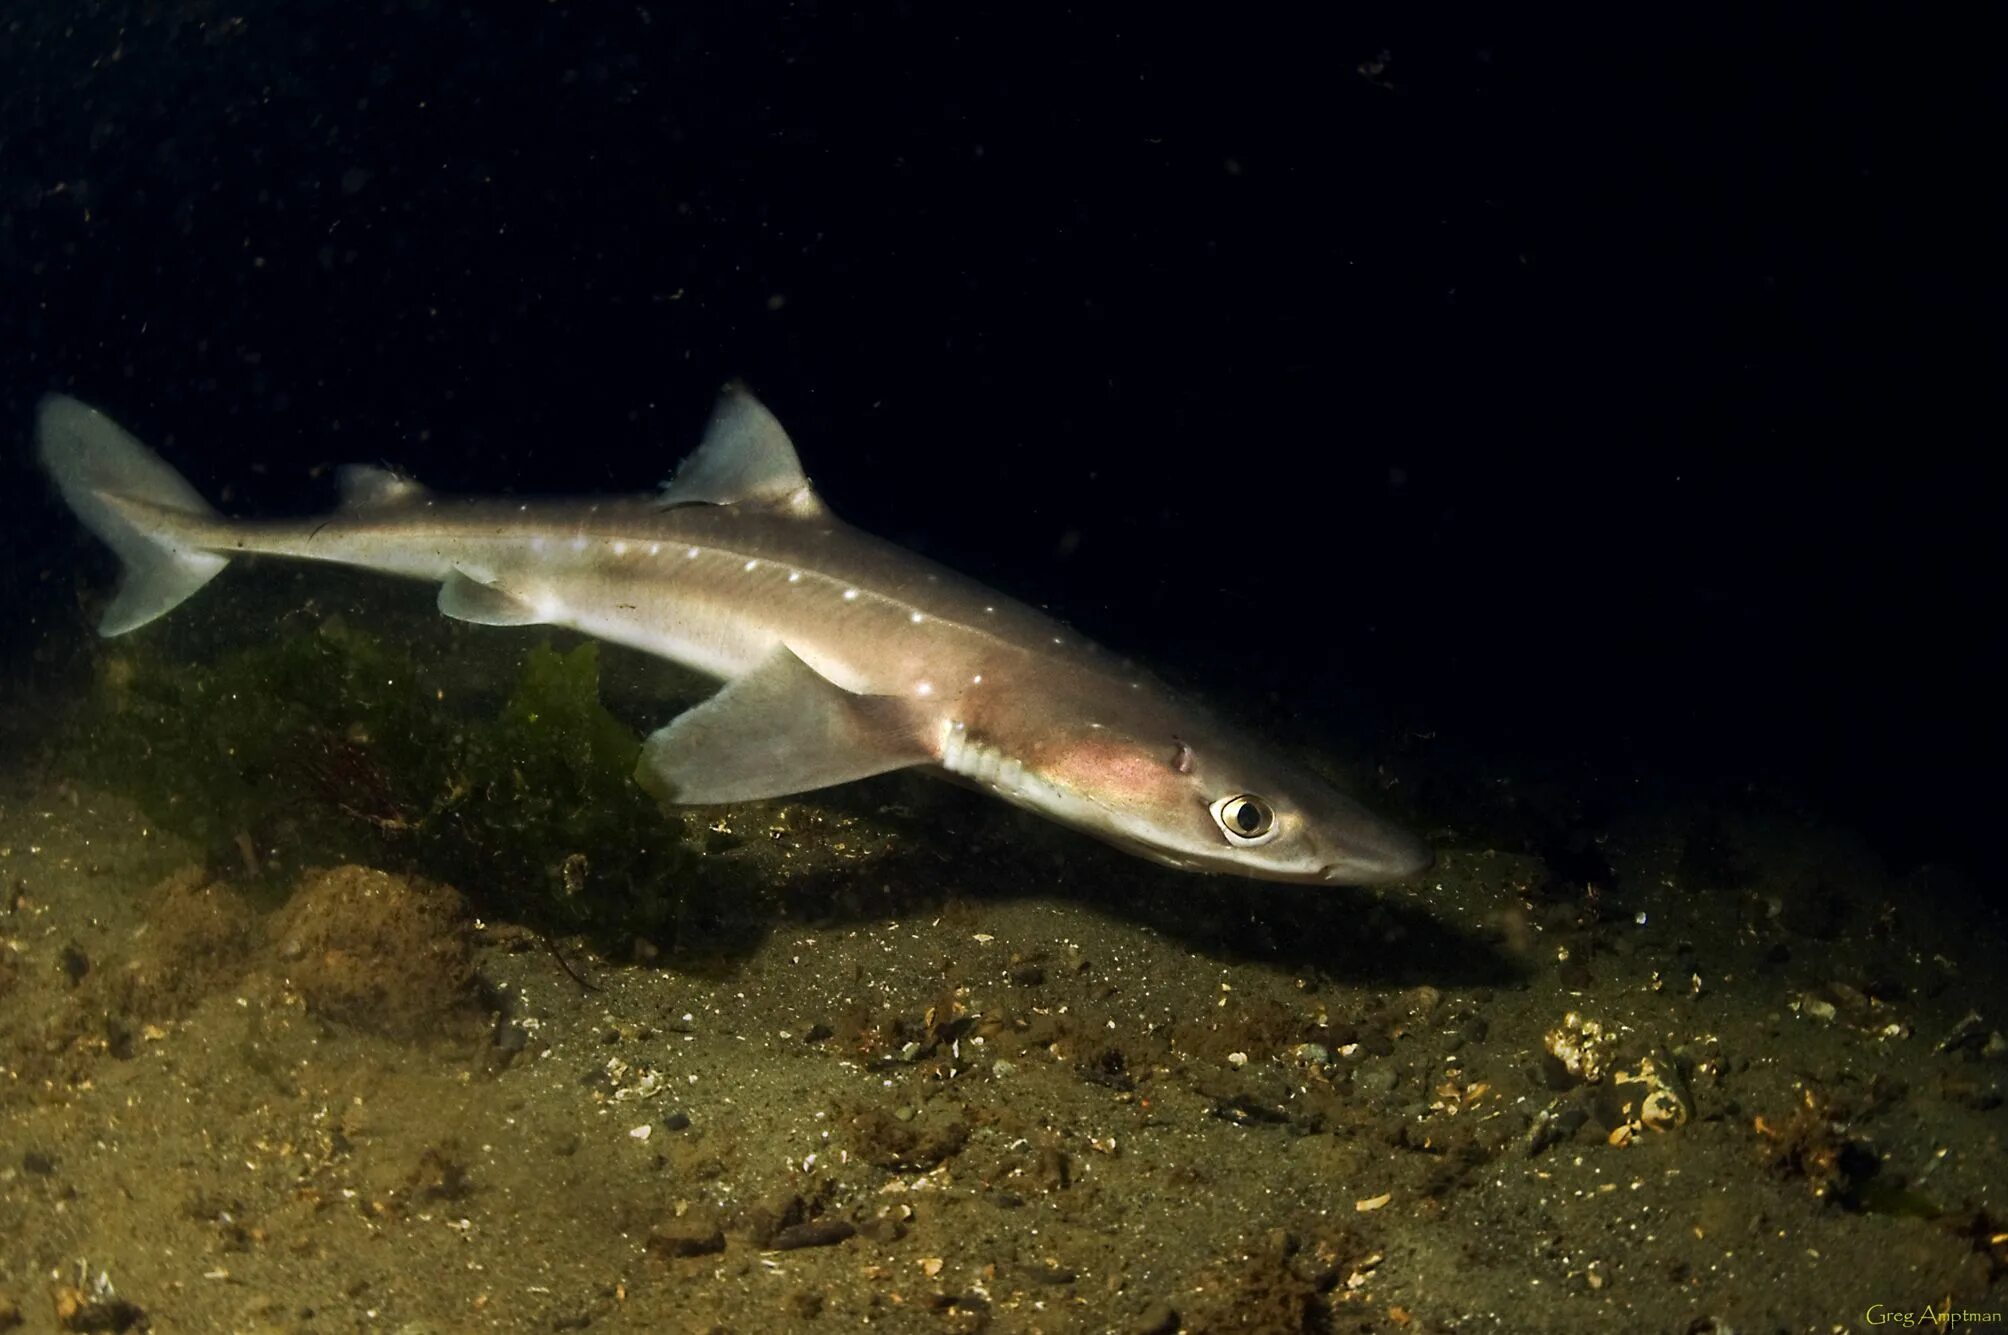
{"x":976,"y":680}
{"x":655,"y":549}
{"x":620,"y":549}
{"x":536,"y":544}
{"x":578,"y":544}
{"x":751,"y":565}
{"x":691,"y":553}
{"x":850,"y":595}
{"x":923,"y":688}
{"x":915,"y":617}
{"x":794,"y":577}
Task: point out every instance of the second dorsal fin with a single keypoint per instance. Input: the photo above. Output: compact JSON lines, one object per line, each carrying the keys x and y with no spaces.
{"x":368,"y":487}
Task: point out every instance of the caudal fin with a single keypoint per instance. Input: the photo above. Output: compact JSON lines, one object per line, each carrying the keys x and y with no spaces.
{"x":96,"y":465}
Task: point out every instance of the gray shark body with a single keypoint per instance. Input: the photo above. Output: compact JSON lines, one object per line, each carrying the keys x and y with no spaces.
{"x":842,"y":656}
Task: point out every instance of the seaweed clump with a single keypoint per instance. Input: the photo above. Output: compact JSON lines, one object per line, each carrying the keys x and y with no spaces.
{"x":332,"y":746}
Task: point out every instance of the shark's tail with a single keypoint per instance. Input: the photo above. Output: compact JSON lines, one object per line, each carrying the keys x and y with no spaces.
{"x":96,"y":466}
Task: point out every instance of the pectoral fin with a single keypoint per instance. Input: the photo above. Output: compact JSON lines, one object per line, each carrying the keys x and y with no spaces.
{"x":782,"y":728}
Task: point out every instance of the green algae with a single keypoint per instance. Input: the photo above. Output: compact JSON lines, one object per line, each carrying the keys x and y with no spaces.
{"x":334,"y":745}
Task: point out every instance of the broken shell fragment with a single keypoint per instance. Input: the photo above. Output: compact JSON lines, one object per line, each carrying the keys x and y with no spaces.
{"x":1582,"y":1046}
{"x":1661,"y":1106}
{"x":1663,"y":1110}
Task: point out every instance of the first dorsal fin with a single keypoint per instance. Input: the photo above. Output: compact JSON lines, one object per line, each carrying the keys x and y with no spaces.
{"x":746,"y":458}
{"x":367,"y":487}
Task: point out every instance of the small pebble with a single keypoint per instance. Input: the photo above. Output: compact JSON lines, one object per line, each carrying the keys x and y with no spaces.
{"x":815,"y":1233}
{"x":686,"y":1237}
{"x":884,"y":1231}
{"x":1375,"y":1080}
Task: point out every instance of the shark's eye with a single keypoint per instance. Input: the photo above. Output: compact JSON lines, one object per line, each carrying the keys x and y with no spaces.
{"x":1246,"y":818}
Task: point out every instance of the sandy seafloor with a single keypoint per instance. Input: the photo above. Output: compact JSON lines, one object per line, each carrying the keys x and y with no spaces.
{"x":1625,"y":1060}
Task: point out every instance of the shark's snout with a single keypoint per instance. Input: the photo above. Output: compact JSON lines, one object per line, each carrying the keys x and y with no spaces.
{"x":1386,"y":853}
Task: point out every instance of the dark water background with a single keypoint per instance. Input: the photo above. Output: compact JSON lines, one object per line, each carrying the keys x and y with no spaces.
{"x":1606,"y":402}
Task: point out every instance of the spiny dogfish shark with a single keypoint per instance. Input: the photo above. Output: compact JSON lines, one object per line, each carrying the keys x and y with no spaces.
{"x":842,"y":656}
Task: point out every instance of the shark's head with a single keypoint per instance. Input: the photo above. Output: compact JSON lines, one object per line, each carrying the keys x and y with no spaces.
{"x":1155,"y":776}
